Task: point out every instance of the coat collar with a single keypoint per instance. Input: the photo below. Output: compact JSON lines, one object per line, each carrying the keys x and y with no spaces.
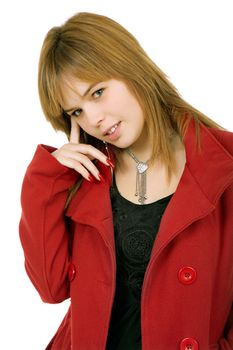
{"x":207,"y":173}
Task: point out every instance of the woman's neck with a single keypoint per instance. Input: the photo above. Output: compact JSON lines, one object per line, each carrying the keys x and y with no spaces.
{"x":126,"y":163}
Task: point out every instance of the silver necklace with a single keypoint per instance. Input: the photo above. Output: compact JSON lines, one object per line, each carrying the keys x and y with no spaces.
{"x":141,"y":169}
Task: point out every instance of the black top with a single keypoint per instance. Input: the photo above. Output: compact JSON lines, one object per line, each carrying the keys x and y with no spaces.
{"x":135,"y":229}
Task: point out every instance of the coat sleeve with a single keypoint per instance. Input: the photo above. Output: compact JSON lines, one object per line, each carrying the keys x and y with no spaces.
{"x":43,"y":233}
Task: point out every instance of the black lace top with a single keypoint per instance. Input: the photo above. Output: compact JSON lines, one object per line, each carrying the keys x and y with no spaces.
{"x":135,"y":228}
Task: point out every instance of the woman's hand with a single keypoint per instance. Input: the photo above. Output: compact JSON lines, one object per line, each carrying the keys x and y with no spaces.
{"x":79,"y":156}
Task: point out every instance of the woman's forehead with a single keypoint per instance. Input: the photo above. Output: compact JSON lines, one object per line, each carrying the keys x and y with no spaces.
{"x":74,"y":90}
{"x":70,"y":85}
{"x":73,"y":83}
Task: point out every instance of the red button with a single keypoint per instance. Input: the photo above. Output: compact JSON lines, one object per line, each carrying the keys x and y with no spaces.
{"x":187,"y":275}
{"x":71,"y":272}
{"x":189,"y":344}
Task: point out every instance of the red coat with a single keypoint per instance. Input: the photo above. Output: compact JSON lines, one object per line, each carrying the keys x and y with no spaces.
{"x":188,"y":286}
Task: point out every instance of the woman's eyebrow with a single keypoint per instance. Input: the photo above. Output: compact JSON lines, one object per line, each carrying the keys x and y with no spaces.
{"x":85,"y":93}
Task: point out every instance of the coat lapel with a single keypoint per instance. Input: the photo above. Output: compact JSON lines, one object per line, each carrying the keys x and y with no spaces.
{"x":206,"y":175}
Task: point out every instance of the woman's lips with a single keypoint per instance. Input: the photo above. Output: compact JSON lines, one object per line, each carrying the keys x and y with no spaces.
{"x":114,"y":132}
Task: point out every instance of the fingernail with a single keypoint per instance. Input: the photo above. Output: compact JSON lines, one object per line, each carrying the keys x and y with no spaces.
{"x":110,"y":163}
{"x":101,"y":177}
{"x":91,"y":178}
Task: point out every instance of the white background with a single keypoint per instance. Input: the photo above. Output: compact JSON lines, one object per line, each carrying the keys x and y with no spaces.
{"x":190,"y":40}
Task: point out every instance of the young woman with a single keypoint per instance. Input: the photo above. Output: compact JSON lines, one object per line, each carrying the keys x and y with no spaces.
{"x":132,"y":218}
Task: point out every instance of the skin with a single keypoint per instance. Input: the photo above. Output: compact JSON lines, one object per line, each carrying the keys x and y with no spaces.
{"x":78,"y":156}
{"x":106,"y":104}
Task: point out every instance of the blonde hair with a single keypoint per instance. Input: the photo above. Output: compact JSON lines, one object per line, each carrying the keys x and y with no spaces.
{"x":94,"y":48}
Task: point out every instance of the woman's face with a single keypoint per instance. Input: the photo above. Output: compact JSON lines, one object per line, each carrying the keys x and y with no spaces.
{"x":106,"y":110}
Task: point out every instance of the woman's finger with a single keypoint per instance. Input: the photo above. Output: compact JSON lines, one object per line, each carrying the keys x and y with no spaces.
{"x":75,"y":157}
{"x":75,"y":131}
{"x":73,"y":164}
{"x":88,"y":150}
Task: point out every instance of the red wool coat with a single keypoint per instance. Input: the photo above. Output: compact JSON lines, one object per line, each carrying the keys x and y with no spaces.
{"x":188,"y":286}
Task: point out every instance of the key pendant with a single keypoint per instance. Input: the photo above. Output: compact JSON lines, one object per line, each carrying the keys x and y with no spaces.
{"x":141,"y":182}
{"x":141,"y":167}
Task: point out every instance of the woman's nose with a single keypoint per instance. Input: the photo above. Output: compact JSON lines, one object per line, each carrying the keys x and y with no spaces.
{"x":95,"y":116}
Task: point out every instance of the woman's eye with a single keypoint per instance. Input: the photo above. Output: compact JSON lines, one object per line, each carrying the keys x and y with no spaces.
{"x":95,"y":94}
{"x":98,"y":93}
{"x":77,"y":112}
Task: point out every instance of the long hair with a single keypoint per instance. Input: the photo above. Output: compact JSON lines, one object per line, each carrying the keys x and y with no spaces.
{"x":94,"y":48}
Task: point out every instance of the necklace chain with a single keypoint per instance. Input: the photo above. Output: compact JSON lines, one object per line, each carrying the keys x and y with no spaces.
{"x":132,"y":155}
{"x":141,"y":169}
